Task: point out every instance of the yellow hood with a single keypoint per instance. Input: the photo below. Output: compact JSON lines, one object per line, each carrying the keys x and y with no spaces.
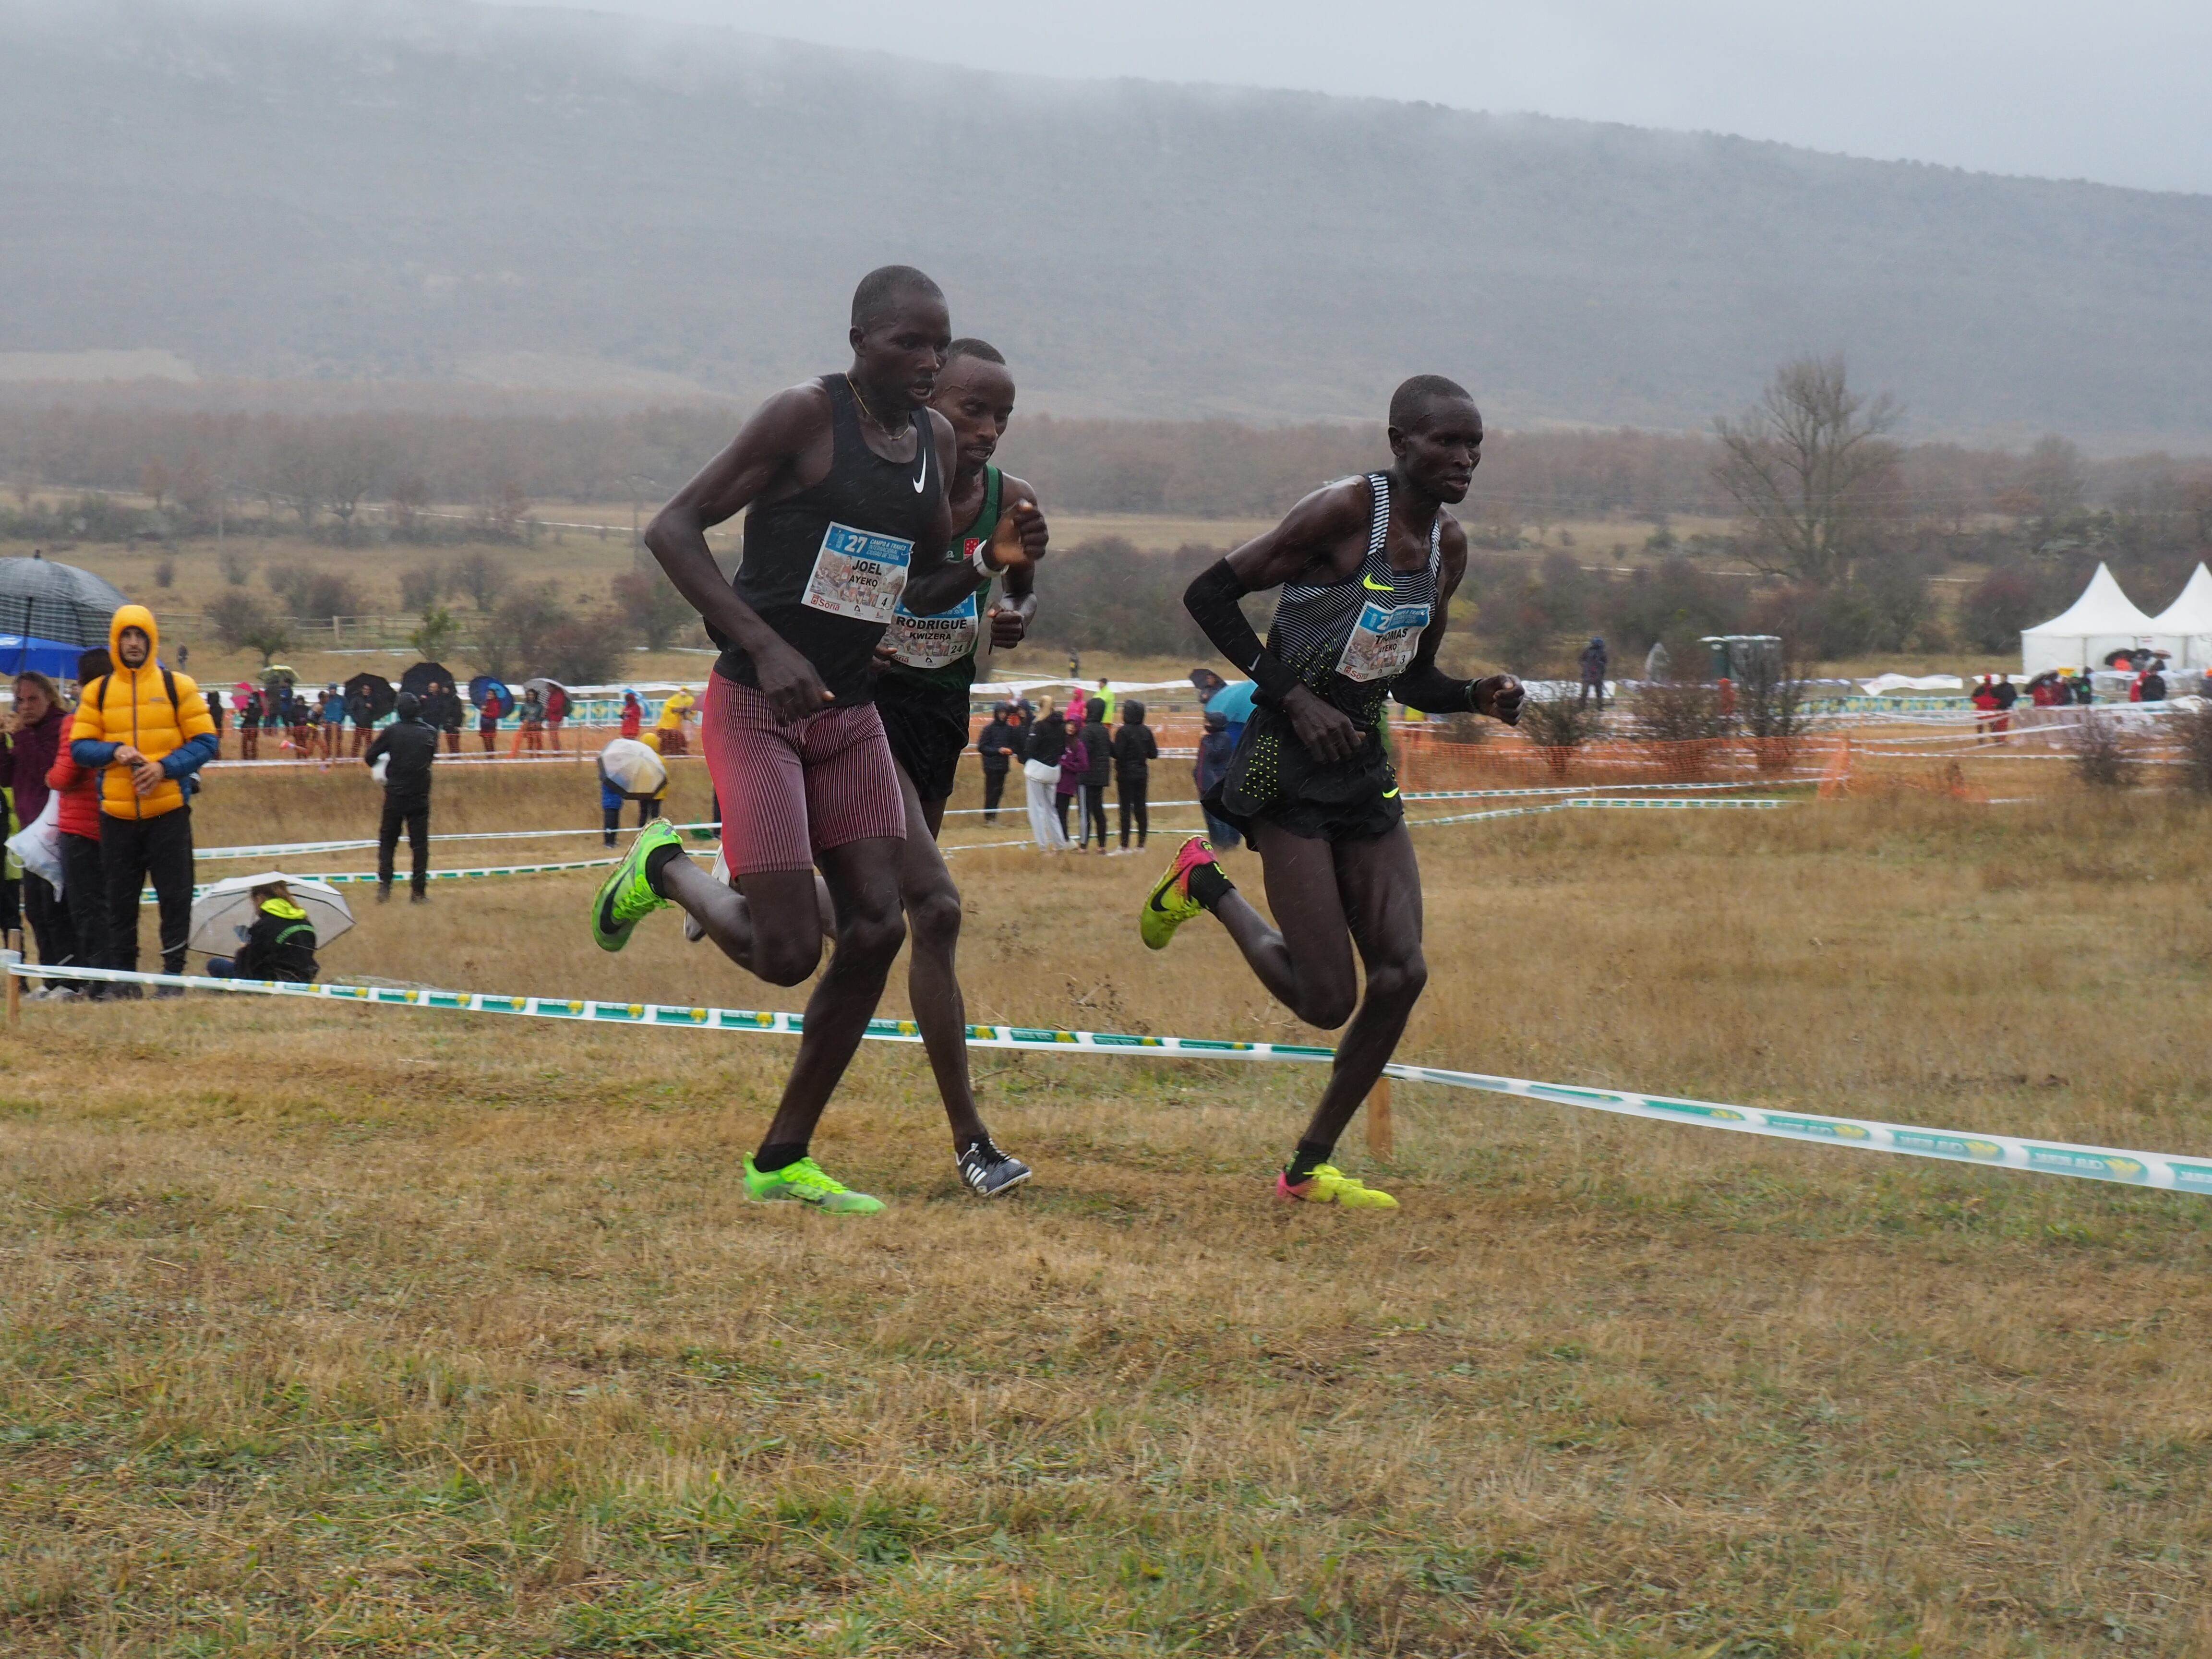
{"x":133,"y":616}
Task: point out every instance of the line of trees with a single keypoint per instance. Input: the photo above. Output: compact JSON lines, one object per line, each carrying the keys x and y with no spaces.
{"x":1838,"y":527}
{"x":319,"y":471}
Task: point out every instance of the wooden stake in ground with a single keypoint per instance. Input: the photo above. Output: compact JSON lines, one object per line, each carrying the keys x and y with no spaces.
{"x":8,"y":961}
{"x":1380,"y":1143}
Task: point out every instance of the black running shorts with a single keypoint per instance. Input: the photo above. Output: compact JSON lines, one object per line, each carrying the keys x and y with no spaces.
{"x":927,"y":726}
{"x":1273,"y":778}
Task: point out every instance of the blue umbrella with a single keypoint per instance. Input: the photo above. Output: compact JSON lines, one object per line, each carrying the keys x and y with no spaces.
{"x":20,"y":652}
{"x":491,"y":694}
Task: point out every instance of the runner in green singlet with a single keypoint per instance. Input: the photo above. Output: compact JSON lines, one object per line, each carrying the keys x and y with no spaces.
{"x":925,"y":666}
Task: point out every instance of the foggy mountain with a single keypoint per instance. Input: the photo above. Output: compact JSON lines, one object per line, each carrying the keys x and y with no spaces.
{"x":451,"y":193}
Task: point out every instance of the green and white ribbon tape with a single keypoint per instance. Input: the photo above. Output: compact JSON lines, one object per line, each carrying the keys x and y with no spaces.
{"x":1650,"y":804}
{"x":2137,"y":1168}
{"x":338,"y":877}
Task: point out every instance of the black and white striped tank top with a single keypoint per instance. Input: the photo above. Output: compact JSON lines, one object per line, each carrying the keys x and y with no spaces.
{"x":1348,"y":641}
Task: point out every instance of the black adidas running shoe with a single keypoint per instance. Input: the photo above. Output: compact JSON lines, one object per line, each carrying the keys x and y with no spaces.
{"x":989,"y":1172}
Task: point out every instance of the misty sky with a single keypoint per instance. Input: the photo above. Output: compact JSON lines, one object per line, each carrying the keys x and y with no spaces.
{"x":2113,"y":91}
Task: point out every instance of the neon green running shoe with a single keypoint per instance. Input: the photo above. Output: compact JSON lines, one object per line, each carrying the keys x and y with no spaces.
{"x":803,"y":1182}
{"x":1169,"y":905}
{"x":626,"y":897}
{"x":1330,"y":1185}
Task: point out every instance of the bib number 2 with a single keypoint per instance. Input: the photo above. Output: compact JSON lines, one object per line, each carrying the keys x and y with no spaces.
{"x":858,"y":574}
{"x":1382,"y":642}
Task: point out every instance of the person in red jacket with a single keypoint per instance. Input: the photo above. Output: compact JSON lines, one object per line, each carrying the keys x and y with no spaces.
{"x":1985,"y":709}
{"x":83,"y":885}
{"x":33,"y":736}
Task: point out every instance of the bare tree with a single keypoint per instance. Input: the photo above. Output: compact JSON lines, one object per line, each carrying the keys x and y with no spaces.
{"x":356,"y":457}
{"x":1808,"y":467}
{"x":296,"y":473}
{"x":482,"y":578}
{"x":2054,"y":477}
{"x":656,"y":612}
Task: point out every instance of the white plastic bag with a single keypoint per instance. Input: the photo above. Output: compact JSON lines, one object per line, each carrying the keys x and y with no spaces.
{"x":39,"y":843}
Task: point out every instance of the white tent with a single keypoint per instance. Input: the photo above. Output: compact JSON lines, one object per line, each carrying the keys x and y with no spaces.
{"x":2183,"y":629}
{"x":2102,"y":620}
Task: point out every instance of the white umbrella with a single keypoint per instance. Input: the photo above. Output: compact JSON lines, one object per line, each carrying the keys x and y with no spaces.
{"x":636,"y":769}
{"x":225,"y":909}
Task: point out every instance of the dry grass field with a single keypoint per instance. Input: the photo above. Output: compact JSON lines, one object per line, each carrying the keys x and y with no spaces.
{"x":330,"y":1330}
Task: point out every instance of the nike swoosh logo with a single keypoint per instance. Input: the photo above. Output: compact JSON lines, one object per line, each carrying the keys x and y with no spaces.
{"x":922,"y":477}
{"x":1368,"y":581}
{"x":1389,"y":794}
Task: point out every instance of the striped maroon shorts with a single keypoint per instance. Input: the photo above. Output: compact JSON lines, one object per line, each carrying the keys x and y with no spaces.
{"x":789,"y":791}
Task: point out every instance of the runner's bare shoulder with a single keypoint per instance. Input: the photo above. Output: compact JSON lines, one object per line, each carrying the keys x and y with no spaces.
{"x":1322,"y":539}
{"x":788,"y":444}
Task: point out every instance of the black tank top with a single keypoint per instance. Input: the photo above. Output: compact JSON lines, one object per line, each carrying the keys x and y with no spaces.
{"x":824,"y":568}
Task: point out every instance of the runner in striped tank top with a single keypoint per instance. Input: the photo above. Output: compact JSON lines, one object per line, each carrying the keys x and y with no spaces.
{"x":1367,"y":568}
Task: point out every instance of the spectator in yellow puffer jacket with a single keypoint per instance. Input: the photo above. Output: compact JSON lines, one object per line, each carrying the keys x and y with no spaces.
{"x":146,"y":731}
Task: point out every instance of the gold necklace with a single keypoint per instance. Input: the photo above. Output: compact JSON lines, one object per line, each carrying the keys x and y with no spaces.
{"x":869,"y":413}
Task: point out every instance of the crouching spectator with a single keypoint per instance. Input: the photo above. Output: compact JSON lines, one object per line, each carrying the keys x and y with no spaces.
{"x":279,"y":945}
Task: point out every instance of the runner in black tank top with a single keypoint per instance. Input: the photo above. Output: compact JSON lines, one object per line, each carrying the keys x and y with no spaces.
{"x":1367,"y":570}
{"x":845,"y":478}
{"x":825,"y":566}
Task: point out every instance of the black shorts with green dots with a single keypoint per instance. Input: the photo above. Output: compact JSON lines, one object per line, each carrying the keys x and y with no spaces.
{"x":1273,"y":778}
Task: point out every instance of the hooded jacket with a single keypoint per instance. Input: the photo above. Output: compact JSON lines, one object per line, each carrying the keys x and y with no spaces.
{"x":1098,"y":751}
{"x":412,"y":744}
{"x":1134,"y":750}
{"x":280,"y":945}
{"x":133,"y":705}
{"x":25,"y":763}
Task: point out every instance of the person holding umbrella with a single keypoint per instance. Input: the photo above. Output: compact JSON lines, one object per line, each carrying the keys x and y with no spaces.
{"x":533,"y":720}
{"x":441,"y":712}
{"x":279,"y":943}
{"x":493,"y":700}
{"x":356,"y":712}
{"x":629,"y":770}
{"x":406,"y":748}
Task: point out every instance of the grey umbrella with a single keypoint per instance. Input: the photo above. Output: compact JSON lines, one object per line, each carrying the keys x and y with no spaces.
{"x":57,"y":601}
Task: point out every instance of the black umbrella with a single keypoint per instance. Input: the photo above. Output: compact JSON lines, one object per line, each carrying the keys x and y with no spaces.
{"x":377,"y":688}
{"x":417,"y":680}
{"x":57,"y":601}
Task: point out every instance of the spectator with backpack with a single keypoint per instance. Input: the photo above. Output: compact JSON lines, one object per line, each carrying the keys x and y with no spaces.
{"x":280,"y":945}
{"x":145,"y":729}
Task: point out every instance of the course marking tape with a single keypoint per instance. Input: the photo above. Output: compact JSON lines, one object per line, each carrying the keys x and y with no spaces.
{"x":1600,"y":802}
{"x":1778,"y":781}
{"x":294,"y":849}
{"x":274,"y":851}
{"x":2136,"y":1168}
{"x":339,"y":877}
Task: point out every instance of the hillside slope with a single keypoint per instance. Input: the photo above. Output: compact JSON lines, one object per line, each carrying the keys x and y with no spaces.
{"x":444,"y":190}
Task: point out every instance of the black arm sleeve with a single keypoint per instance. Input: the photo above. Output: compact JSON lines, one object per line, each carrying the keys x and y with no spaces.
{"x":1211,"y":602}
{"x":1433,"y":692}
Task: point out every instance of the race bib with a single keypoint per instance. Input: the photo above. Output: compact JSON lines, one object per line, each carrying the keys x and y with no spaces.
{"x":1382,"y":642}
{"x":858,"y":574}
{"x":935,"y":641}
